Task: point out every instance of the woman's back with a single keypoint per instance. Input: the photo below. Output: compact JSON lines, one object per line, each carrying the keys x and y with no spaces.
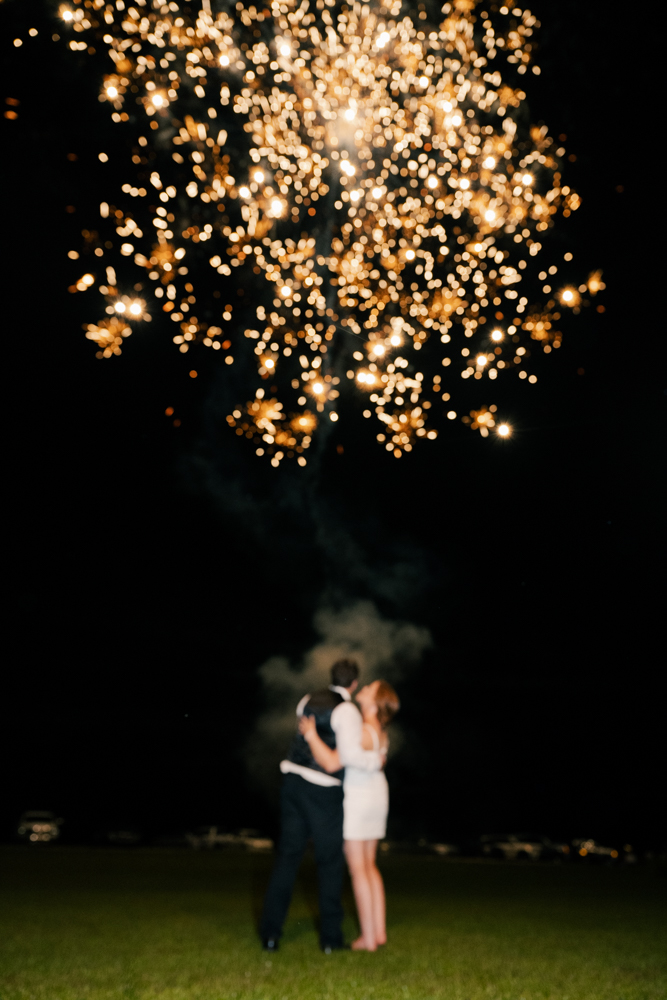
{"x":371,"y":740}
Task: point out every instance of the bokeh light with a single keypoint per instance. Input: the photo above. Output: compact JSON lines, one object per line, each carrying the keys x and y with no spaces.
{"x":382,"y":196}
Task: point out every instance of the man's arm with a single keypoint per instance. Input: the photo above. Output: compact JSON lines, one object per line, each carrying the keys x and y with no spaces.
{"x":347,"y":724}
{"x":302,"y":704}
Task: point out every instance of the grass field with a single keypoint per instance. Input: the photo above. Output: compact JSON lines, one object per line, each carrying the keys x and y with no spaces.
{"x":84,"y":924}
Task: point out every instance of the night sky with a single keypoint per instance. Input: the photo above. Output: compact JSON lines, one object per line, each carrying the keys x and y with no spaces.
{"x":151,"y":569}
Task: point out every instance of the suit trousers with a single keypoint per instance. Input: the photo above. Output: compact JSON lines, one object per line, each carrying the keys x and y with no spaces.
{"x":308,"y":810}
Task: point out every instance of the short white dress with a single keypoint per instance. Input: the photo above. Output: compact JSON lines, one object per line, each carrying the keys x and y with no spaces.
{"x":365,"y":801}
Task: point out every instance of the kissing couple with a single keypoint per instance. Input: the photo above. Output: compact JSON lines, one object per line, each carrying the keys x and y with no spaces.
{"x":334,"y":790}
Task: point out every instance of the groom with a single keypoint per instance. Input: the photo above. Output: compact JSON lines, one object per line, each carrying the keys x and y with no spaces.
{"x":311,"y":804}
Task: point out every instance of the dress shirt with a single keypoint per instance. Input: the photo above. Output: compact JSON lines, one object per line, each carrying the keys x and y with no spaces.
{"x":347,"y":724}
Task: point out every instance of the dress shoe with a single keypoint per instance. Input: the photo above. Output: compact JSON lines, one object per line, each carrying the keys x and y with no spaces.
{"x":270,"y":944}
{"x":328,"y":948}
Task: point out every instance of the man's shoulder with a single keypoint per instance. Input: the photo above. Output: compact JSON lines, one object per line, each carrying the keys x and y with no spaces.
{"x":345,"y":710}
{"x":325,"y":699}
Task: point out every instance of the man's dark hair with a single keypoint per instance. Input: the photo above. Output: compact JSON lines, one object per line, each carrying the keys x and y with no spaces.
{"x":344,"y":673}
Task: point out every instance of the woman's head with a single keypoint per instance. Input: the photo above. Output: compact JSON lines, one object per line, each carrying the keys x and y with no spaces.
{"x":380,"y":699}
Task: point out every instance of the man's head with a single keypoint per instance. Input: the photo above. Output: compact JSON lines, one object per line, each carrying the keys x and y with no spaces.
{"x":345,"y":674}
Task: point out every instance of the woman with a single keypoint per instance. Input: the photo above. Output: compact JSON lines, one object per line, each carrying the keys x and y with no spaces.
{"x":365,"y":805}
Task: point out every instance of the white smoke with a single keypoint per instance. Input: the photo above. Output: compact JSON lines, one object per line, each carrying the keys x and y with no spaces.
{"x":382,"y":648}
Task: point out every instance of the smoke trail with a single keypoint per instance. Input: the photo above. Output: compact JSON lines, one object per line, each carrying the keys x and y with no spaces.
{"x":381,"y":647}
{"x":352,"y":559}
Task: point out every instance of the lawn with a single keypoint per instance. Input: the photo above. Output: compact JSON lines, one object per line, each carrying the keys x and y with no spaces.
{"x":84,"y":924}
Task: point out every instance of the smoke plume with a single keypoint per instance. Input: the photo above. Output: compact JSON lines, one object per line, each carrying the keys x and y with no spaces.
{"x":381,"y":647}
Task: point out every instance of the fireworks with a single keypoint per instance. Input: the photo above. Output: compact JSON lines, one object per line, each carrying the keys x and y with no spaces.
{"x":367,"y":174}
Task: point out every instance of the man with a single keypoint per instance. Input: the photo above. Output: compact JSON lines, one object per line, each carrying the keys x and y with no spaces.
{"x":312,"y":806}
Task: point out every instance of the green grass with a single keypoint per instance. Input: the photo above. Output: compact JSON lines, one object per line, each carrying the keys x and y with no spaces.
{"x":78,"y":924}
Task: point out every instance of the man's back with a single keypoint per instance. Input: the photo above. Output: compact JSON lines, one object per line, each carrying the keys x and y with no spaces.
{"x":320,"y":704}
{"x":312,"y":807}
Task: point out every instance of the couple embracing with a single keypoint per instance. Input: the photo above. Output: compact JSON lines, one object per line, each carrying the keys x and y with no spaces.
{"x":335,"y":791}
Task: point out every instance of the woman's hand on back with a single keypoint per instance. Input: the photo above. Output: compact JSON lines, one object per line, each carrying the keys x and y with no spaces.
{"x":327,"y":758}
{"x":307,"y":727}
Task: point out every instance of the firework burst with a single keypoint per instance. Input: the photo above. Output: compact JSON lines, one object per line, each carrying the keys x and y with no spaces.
{"x":369,"y":175}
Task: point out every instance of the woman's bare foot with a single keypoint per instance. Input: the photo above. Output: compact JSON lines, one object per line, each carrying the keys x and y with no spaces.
{"x":381,"y":942}
{"x":362,"y":945}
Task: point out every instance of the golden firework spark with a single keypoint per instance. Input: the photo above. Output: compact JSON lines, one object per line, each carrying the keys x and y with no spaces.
{"x":367,"y":165}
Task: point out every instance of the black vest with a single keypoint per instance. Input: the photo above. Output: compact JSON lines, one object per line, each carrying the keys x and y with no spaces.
{"x":320,"y":704}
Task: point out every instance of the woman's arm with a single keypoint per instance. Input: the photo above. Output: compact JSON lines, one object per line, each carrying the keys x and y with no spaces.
{"x":346,"y":723}
{"x":324,"y":755}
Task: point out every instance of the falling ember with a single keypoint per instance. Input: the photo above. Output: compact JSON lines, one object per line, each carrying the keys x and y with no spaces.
{"x":380,"y":197}
{"x":570,"y":297}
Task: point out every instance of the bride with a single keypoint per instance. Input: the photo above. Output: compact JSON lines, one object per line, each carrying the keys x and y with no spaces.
{"x":365,"y":805}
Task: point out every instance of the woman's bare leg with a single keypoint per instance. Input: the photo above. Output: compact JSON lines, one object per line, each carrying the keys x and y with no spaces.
{"x":363,"y":895}
{"x":377,"y":891}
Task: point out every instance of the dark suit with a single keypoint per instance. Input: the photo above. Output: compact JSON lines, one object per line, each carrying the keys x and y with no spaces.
{"x":309,"y":810}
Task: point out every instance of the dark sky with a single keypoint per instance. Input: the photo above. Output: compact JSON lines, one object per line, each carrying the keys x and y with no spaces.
{"x":151,"y":569}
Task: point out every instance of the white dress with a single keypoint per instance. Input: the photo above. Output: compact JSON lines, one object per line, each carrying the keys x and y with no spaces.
{"x":365,"y":801}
